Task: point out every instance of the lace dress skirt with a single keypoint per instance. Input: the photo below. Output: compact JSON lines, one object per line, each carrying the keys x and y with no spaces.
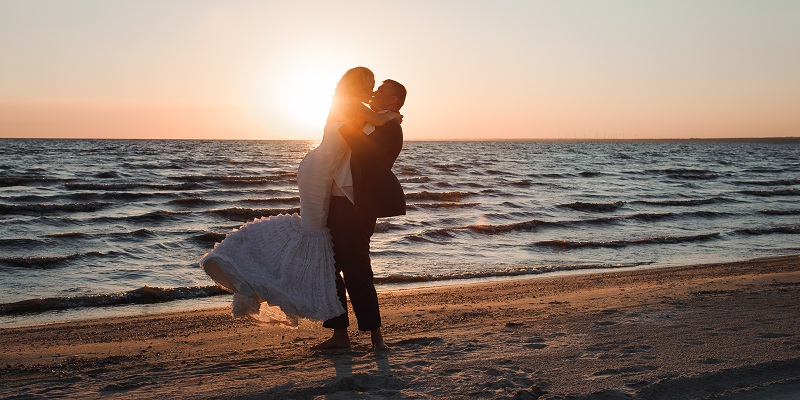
{"x":285,"y":260}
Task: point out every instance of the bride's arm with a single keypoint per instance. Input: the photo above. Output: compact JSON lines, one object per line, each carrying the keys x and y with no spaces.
{"x":363,"y":113}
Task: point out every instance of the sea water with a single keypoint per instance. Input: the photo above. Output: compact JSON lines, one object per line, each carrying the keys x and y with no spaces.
{"x":106,"y":224}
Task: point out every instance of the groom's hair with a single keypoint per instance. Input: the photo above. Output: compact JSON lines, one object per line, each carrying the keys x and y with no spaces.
{"x":399,"y":91}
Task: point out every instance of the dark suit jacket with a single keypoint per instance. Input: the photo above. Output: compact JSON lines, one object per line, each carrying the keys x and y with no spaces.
{"x":376,"y":190}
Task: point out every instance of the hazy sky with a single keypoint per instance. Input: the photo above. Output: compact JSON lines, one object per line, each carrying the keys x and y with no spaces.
{"x":239,"y":69}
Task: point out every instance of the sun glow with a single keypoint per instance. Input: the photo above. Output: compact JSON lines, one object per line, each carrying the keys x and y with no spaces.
{"x":302,"y":97}
{"x":292,"y":100}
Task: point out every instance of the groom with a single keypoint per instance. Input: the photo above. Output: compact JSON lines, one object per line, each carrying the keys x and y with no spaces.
{"x":364,"y":189}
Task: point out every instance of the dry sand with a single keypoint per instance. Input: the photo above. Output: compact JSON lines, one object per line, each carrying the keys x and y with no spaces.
{"x":729,"y":331}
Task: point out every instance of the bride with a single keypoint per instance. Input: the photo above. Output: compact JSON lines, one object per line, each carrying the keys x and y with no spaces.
{"x":287,"y":260}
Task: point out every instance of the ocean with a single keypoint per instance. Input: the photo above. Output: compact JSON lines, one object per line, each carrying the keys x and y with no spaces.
{"x":116,"y":227}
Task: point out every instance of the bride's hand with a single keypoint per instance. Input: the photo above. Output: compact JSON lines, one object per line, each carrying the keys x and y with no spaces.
{"x":397,"y":116}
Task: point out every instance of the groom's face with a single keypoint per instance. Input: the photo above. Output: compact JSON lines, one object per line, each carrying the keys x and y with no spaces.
{"x":383,"y":99}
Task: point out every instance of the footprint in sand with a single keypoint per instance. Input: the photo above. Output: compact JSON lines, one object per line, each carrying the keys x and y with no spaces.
{"x":535,"y":343}
{"x":363,"y":383}
{"x":418,"y":342}
{"x":605,"y":323}
{"x":535,"y":346}
{"x":418,"y":363}
{"x":624,"y":370}
{"x":636,"y":349}
{"x":773,"y":335}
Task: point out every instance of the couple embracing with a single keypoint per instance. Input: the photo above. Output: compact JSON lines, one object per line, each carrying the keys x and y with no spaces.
{"x":302,"y":265}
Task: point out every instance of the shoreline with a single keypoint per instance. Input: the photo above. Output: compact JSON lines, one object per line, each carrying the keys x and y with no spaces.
{"x":717,"y":330}
{"x":78,"y":314}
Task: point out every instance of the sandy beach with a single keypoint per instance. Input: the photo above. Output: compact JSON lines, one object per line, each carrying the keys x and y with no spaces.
{"x":729,"y":331}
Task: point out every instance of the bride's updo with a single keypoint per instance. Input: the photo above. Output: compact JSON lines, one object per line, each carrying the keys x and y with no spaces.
{"x":357,"y":83}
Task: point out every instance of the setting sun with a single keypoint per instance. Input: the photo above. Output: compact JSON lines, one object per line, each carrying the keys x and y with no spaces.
{"x":305,"y":95}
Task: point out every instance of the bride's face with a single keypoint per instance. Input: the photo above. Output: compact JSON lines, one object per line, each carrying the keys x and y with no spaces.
{"x":365,"y":95}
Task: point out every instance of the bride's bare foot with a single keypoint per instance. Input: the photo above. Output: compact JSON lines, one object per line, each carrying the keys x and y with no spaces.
{"x":378,"y":345}
{"x":339,"y":340}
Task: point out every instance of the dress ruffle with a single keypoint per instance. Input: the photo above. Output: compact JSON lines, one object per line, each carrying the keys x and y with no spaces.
{"x":275,"y":260}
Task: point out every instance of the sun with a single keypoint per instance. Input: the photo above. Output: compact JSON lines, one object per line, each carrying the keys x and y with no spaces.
{"x":304,"y":95}
{"x":293,"y":95}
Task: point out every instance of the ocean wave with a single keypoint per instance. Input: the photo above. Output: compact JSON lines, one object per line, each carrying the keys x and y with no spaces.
{"x":508,"y":272}
{"x":438,"y":196}
{"x":129,"y":186}
{"x":384,"y":227}
{"x":153,"y":166}
{"x":416,"y":206}
{"x":686,"y":173}
{"x":590,"y":174}
{"x":247,"y":181}
{"x":16,"y":243}
{"x":418,"y":239}
{"x":447,"y":167}
{"x":777,"y":182}
{"x":766,"y":169}
{"x":142,"y":295}
{"x":408,"y":171}
{"x":487,"y":229}
{"x":30,"y":181}
{"x":143,"y":232}
{"x":570,"y":244}
{"x":795,"y":211}
{"x":459,"y":185}
{"x":152,"y":217}
{"x":772,"y":193}
{"x":44,"y":262}
{"x":39,"y":209}
{"x":594,"y":207}
{"x":66,"y":234}
{"x":662,"y":216}
{"x":106,"y":175}
{"x":521,"y":184}
{"x":680,"y":203}
{"x":191,"y":201}
{"x":209,"y":238}
{"x":416,"y":179}
{"x":275,"y":200}
{"x":524,"y":226}
{"x":112,"y":195}
{"x":535,"y":224}
{"x":551,"y":176}
{"x":788,"y":229}
{"x":241,"y":213}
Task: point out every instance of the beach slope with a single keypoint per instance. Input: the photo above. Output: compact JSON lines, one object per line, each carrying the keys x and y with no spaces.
{"x":713,"y":331}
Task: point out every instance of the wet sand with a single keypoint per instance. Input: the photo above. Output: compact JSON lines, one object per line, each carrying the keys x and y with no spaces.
{"x":729,"y":331}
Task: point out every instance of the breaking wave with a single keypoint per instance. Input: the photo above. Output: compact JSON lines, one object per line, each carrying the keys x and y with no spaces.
{"x":569,"y":244}
{"x":143,"y":295}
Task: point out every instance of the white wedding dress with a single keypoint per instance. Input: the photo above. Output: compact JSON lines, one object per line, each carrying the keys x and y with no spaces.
{"x":286,"y":260}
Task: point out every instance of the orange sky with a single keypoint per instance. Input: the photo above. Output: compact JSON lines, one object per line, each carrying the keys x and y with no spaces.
{"x":474,"y":69}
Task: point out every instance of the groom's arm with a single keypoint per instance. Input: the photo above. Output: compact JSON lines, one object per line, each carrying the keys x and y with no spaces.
{"x":383,"y":145}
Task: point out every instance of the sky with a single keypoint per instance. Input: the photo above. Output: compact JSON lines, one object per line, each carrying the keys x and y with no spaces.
{"x":504,"y":69}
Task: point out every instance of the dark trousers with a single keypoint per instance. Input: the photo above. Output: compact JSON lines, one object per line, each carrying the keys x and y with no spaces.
{"x":351,"y":234}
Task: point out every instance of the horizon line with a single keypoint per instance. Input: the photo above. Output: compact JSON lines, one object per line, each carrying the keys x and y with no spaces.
{"x":549,"y":139}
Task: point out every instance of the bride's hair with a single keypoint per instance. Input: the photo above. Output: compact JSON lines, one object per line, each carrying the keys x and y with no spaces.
{"x":355,"y":81}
